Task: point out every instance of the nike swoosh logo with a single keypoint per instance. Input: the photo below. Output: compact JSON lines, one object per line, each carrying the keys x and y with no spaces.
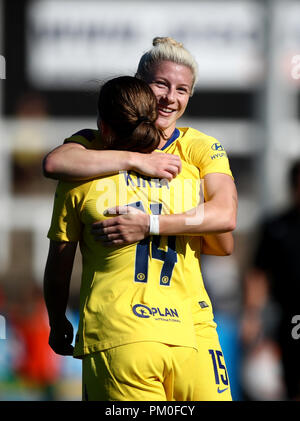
{"x":222,"y":390}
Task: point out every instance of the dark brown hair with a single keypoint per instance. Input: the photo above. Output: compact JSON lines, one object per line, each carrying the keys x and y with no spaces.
{"x":129,"y":107}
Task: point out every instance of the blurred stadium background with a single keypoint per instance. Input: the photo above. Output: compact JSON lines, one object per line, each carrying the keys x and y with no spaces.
{"x":53,"y":55}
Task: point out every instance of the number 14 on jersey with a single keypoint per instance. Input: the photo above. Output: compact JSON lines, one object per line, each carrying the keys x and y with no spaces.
{"x":169,"y":257}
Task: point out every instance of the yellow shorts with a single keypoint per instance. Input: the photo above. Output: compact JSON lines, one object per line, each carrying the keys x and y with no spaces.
{"x":213,"y":382}
{"x":140,"y":371}
{"x":152,"y":371}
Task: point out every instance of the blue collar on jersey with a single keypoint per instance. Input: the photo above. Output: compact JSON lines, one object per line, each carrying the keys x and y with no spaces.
{"x":174,"y":136}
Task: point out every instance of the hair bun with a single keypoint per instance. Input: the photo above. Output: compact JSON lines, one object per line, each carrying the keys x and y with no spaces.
{"x":143,"y":119}
{"x":166,"y":40}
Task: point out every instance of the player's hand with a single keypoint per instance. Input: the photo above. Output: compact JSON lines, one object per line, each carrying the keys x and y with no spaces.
{"x":127,"y":226}
{"x":157,"y":164}
{"x":61,"y":337}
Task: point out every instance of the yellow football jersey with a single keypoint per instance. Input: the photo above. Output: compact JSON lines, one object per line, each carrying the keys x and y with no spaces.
{"x":200,"y":155}
{"x":138,"y":292}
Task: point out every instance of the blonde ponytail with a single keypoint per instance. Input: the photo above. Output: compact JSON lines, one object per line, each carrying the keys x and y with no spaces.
{"x":166,"y":40}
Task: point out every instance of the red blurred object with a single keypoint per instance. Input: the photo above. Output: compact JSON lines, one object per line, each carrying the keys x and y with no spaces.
{"x":36,"y":362}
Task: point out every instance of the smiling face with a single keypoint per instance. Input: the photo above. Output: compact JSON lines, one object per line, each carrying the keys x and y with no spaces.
{"x":172,"y":85}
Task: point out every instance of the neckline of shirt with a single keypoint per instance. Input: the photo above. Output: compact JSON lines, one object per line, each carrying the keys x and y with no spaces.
{"x":172,"y":139}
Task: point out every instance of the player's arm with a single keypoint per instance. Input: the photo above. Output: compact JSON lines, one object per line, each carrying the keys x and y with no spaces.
{"x":217,"y":244}
{"x":216,"y":215}
{"x":72,"y":161}
{"x":57,"y":278}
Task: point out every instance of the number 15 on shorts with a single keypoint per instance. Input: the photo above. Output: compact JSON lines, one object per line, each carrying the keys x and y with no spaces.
{"x":220,"y":371}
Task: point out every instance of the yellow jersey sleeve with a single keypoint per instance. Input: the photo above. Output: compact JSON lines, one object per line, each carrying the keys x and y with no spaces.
{"x":88,"y":138}
{"x":65,"y":222}
{"x":205,"y":152}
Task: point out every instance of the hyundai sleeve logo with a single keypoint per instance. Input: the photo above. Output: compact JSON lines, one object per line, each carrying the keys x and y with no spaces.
{"x":217,"y":147}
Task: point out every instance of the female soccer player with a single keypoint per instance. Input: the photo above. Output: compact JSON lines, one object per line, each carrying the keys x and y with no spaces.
{"x":171,"y":73}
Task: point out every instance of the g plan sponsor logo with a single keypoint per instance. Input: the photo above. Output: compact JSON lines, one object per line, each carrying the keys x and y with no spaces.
{"x":218,"y":148}
{"x":158,"y":313}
